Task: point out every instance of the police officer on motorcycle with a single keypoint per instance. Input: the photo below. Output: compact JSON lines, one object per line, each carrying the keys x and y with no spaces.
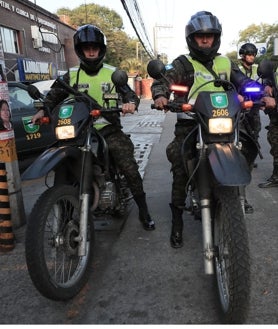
{"x":203,"y":37}
{"x":93,"y":75}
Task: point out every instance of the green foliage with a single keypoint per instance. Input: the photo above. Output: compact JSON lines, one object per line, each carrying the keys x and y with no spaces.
{"x":120,"y":46}
{"x":260,"y":33}
{"x":232,"y":55}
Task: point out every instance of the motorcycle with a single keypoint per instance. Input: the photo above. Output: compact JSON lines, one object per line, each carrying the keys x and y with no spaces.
{"x":218,"y":173}
{"x":60,"y":234}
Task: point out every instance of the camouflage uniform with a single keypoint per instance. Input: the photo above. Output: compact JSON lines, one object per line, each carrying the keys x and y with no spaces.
{"x":119,"y":144}
{"x":182,"y":73}
{"x":122,"y":151}
{"x":272,"y":137}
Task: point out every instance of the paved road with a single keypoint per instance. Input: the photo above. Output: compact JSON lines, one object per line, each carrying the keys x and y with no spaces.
{"x":138,"y":278}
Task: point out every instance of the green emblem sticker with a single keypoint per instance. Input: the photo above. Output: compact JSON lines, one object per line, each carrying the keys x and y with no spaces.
{"x":219,"y":100}
{"x":30,"y":128}
{"x":65,"y":111}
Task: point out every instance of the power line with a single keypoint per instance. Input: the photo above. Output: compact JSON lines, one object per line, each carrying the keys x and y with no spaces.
{"x":133,"y":12}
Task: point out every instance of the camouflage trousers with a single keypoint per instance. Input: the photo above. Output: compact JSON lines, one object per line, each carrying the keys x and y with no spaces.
{"x":122,"y":150}
{"x":272,"y":137}
{"x":174,"y":155}
{"x":254,"y":119}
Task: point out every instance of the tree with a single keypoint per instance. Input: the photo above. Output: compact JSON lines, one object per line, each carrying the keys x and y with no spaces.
{"x":260,"y":33}
{"x":120,"y":47}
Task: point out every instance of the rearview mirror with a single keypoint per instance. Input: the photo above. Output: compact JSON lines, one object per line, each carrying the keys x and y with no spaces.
{"x":119,"y":78}
{"x":156,"y":69}
{"x":265,"y":69}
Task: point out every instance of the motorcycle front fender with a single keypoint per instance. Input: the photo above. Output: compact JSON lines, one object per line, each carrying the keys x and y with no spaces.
{"x":48,"y":160}
{"x":228,"y":165}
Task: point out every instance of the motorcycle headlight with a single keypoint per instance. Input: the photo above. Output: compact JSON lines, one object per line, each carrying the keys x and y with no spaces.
{"x":65,"y":132}
{"x":220,"y":126}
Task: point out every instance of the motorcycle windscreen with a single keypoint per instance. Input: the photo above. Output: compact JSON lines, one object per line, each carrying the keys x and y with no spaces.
{"x":228,"y":165}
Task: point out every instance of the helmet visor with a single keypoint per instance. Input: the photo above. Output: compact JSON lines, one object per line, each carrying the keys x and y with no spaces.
{"x":203,"y":24}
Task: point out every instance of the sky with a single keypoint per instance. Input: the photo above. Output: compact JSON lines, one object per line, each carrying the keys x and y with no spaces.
{"x":233,"y":15}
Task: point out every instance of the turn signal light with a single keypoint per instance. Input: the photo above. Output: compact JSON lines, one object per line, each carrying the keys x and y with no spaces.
{"x":44,"y":120}
{"x":247,"y":104}
{"x":186,"y":107}
{"x":95,"y":113}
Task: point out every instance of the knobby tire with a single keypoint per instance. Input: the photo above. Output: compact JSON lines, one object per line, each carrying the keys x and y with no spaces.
{"x":232,"y":261}
{"x":51,"y":252}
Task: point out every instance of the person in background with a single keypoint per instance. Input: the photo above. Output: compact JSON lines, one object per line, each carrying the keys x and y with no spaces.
{"x":204,"y":63}
{"x":272,"y":136}
{"x":252,"y":119}
{"x":248,"y":53}
{"x":92,"y":75}
{"x":5,"y":115}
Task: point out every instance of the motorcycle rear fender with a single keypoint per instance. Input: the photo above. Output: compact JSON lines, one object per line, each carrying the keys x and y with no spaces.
{"x":48,"y":160}
{"x":228,"y":165}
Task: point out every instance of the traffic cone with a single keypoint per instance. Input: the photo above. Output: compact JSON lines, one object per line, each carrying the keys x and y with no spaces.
{"x":6,"y":230}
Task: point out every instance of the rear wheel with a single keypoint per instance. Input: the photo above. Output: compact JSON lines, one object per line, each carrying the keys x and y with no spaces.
{"x":51,"y":246}
{"x":232,"y":263}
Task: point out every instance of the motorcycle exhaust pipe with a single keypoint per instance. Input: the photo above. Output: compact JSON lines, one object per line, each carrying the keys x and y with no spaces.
{"x":207,"y":237}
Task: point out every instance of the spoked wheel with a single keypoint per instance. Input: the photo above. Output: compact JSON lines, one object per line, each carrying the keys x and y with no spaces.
{"x":232,"y":264}
{"x":52,"y":248}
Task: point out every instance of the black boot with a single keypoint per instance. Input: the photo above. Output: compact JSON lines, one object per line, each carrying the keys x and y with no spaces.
{"x":144,"y":216}
{"x":273,"y":180}
{"x":270,"y":182}
{"x":177,"y":227}
{"x":248,"y":208}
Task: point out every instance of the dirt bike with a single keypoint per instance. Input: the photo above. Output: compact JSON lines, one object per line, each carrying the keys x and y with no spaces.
{"x":217,"y":172}
{"x":60,"y":234}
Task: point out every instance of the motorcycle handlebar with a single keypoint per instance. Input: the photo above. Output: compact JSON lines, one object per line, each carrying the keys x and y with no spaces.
{"x":172,"y":107}
{"x":178,"y":107}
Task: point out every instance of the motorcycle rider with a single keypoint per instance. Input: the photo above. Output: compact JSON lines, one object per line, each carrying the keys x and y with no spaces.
{"x":93,"y":75}
{"x":204,"y":63}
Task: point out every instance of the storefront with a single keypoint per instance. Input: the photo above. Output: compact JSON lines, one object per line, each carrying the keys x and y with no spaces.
{"x":37,"y":45}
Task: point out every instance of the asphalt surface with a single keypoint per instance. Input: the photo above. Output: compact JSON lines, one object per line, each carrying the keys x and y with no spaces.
{"x":138,"y":278}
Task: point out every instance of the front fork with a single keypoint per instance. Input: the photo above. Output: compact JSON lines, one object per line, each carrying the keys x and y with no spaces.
{"x":204,"y":190}
{"x":241,"y":192}
{"x":85,"y":193}
{"x":207,"y":236}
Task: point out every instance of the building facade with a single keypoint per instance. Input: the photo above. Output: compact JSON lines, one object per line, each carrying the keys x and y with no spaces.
{"x":36,"y":44}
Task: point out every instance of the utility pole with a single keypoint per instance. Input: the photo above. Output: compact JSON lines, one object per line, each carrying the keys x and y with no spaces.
{"x":161,"y":36}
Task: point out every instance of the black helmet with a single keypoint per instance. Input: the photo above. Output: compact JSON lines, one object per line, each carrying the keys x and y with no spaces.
{"x":248,"y":49}
{"x":88,"y":34}
{"x":203,"y":22}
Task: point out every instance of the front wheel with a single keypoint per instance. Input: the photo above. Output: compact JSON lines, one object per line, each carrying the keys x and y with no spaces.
{"x":232,"y":263}
{"x":51,"y":248}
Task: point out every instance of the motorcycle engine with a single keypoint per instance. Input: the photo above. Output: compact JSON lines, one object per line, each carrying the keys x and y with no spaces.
{"x":108,"y":196}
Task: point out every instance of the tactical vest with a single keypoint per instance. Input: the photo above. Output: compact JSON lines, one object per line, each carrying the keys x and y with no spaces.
{"x":252,"y":73}
{"x":222,"y":69}
{"x":95,"y":86}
